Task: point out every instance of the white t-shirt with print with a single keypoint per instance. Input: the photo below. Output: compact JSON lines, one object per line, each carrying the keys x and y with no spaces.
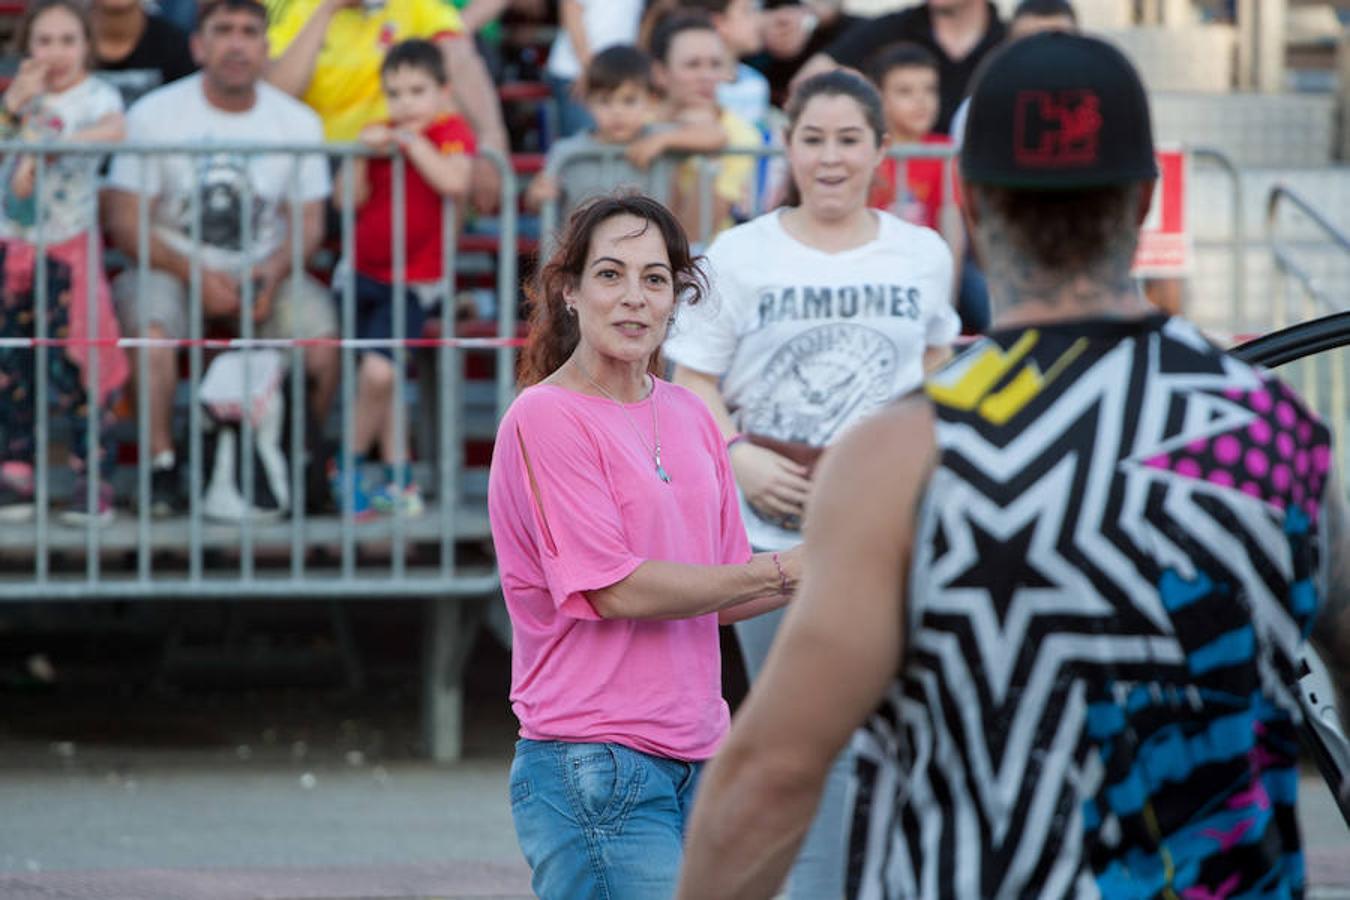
{"x":180,"y":113}
{"x":606,"y":23}
{"x":806,"y":342}
{"x":69,"y":201}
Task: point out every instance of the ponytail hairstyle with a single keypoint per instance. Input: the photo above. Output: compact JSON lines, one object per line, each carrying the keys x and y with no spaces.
{"x":553,"y":331}
{"x":835,"y":83}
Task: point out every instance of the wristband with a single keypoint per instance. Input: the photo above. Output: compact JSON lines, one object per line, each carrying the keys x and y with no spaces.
{"x":782,"y":576}
{"x":735,"y":439}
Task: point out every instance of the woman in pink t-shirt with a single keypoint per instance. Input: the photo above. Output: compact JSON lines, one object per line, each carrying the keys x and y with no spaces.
{"x":621,"y":549}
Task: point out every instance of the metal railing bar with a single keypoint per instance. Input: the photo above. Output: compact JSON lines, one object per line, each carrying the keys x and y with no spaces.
{"x":41,"y":468}
{"x":298,"y":402}
{"x":247,"y":440}
{"x":349,"y":475}
{"x":195,"y":416}
{"x":93,"y":442}
{"x":398,"y":559}
{"x":444,"y":444}
{"x":267,"y":587}
{"x":145,"y":453}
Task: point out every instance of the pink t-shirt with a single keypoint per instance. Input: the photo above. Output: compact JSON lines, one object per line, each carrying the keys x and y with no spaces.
{"x":655,"y":686}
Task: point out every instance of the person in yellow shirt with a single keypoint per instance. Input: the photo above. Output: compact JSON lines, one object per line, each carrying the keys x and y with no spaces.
{"x":328,"y":54}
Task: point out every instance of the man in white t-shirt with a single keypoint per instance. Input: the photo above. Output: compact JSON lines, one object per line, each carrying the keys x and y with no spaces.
{"x":245,"y":205}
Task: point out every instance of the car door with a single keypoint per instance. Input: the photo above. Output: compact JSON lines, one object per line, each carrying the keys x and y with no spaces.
{"x":1313,"y":355}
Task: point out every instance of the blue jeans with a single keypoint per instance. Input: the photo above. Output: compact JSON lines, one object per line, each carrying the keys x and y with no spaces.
{"x":818,"y":873}
{"x":600,"y":820}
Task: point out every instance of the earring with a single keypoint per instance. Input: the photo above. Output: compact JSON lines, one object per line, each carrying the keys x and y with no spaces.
{"x":571,"y":310}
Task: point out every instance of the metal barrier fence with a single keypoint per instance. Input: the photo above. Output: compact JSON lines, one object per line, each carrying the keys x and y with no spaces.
{"x":451,"y":520}
{"x":188,"y":557}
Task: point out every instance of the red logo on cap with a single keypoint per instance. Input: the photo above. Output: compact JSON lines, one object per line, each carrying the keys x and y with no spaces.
{"x":1057,"y":128}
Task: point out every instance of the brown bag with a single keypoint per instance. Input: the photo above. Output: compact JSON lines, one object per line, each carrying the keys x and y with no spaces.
{"x":803,"y":454}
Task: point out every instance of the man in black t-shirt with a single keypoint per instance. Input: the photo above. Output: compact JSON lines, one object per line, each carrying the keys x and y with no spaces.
{"x":960,"y":33}
{"x":135,"y":51}
{"x":794,"y":32}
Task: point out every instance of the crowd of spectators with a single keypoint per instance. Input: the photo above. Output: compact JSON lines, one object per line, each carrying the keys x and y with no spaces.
{"x":638,"y":87}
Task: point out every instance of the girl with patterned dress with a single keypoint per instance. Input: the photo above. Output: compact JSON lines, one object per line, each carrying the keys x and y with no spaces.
{"x":55,"y":99}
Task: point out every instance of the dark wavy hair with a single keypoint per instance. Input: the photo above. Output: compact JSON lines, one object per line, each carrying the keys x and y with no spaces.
{"x":554,"y":333}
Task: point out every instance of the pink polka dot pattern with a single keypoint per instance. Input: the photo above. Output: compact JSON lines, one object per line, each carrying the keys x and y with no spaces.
{"x":1282,"y":456}
{"x":1227,"y":450}
{"x":1187,"y":467}
{"x":1284,"y":445}
{"x":1280,"y":478}
{"x":1257,"y":464}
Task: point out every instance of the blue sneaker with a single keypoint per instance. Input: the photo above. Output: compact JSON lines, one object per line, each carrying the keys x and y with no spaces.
{"x":362,"y":509}
{"x":392,"y":496}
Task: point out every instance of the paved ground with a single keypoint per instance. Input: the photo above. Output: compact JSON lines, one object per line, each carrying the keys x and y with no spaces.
{"x":110,"y":789}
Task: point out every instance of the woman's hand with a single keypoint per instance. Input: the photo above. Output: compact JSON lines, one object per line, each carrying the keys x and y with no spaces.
{"x":774,"y":485}
{"x":791,"y":561}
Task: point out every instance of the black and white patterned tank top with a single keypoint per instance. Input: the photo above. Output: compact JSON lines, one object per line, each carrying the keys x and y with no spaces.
{"x":1117,"y":561}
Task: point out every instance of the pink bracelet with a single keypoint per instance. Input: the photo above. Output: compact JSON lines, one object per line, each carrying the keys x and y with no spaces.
{"x":782,"y":576}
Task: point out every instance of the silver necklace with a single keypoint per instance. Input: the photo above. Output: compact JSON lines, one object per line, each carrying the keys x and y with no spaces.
{"x":656,"y":425}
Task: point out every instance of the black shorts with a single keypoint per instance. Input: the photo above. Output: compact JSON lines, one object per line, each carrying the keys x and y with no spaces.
{"x":375,"y":312}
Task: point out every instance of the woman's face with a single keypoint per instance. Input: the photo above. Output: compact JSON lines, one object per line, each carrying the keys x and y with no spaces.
{"x":626,"y":292}
{"x":832,"y":153}
{"x":694,"y":66}
{"x":57,"y":39}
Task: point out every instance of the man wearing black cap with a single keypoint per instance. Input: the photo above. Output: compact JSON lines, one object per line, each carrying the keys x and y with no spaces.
{"x":1062,"y":591}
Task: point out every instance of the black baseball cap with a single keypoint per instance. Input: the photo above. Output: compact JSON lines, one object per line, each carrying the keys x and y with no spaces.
{"x":1058,"y":111}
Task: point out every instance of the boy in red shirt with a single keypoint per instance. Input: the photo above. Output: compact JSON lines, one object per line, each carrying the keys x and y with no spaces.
{"x":907,"y":77}
{"x":437,"y":146}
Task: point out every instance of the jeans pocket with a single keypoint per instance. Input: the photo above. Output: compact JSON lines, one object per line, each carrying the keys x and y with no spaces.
{"x":593,"y":776}
{"x":520,"y":791}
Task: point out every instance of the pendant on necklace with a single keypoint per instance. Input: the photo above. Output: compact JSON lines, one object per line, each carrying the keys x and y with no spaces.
{"x":656,"y":458}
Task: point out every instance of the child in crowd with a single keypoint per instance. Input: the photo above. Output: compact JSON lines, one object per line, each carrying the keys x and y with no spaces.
{"x":913,"y":189}
{"x":906,"y":75}
{"x":620,"y":97}
{"x":438,"y":146}
{"x":691,"y":62}
{"x":53,"y":98}
{"x":746,"y":90}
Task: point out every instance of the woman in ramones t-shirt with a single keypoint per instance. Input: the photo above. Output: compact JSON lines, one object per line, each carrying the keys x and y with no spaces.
{"x":822,"y":311}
